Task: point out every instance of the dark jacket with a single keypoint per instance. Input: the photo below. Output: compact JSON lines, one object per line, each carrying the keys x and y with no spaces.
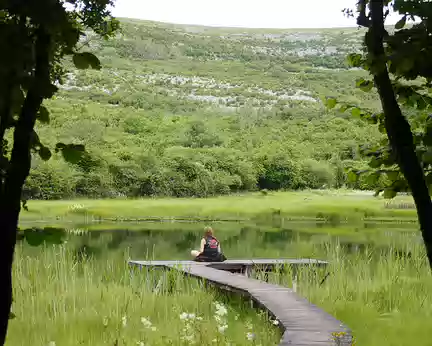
{"x":211,"y":251}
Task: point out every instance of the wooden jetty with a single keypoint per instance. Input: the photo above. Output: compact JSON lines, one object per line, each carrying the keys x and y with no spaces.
{"x":302,"y":323}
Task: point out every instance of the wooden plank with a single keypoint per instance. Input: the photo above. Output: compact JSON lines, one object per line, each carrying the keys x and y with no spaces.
{"x":302,"y":322}
{"x":238,"y":264}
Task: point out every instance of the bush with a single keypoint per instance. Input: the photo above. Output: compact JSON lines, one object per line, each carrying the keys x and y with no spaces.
{"x":317,"y":175}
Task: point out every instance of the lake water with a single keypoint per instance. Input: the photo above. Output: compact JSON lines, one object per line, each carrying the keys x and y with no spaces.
{"x":175,"y":240}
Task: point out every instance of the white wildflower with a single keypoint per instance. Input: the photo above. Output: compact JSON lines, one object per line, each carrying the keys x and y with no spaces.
{"x":221,"y":310}
{"x":222,"y":328}
{"x":124,"y":321}
{"x":236,"y":317}
{"x":186,"y":316}
{"x":250,"y":336}
{"x":146,"y":322}
{"x":276,"y":322}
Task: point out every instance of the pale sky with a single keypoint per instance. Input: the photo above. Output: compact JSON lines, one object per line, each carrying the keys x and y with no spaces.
{"x":242,"y":13}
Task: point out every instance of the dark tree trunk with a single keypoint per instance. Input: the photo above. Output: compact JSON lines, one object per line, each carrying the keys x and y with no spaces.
{"x":18,"y":170}
{"x":398,"y":128}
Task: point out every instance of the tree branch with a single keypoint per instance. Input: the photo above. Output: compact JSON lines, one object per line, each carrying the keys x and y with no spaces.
{"x":398,"y":129}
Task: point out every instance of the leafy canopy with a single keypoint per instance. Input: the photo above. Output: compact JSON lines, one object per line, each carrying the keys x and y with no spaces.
{"x":21,"y":24}
{"x":38,"y":37}
{"x":408,"y":56}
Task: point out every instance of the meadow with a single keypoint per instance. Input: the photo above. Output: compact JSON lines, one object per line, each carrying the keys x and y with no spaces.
{"x":262,"y":209}
{"x":82,"y":292}
{"x":64,"y":299}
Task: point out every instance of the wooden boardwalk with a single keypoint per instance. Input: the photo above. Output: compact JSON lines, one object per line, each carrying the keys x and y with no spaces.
{"x":302,"y":323}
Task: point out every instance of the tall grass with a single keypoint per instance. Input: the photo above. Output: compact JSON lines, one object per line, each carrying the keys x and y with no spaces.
{"x":384,"y":294}
{"x":63,"y":298}
{"x":385,"y":297}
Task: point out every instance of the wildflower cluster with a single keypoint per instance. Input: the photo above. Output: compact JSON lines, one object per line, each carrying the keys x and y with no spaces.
{"x":189,"y":320}
{"x":147,"y":324}
{"x":220,"y":317}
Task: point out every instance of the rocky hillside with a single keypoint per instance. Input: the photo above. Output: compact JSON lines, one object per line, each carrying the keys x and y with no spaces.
{"x":196,"y":111}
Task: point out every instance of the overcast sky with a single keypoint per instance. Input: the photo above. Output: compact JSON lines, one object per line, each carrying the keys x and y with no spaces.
{"x":242,"y":13}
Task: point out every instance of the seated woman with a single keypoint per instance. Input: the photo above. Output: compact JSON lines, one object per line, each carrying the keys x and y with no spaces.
{"x":210,"y":250}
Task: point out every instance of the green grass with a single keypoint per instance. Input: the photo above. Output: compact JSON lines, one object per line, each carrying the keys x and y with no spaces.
{"x":62,"y":299}
{"x":334,"y":206}
{"x":385,"y":299}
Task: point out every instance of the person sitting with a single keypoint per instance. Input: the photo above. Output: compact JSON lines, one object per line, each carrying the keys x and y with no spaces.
{"x":210,"y":250}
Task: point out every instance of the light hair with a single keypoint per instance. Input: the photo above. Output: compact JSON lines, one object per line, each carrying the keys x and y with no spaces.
{"x":208,"y":231}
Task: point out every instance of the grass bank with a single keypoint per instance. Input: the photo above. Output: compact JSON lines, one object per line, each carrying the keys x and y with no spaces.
{"x":63,"y":299}
{"x":271,"y":209}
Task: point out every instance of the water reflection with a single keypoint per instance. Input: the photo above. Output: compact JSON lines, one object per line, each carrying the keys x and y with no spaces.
{"x":175,"y":241}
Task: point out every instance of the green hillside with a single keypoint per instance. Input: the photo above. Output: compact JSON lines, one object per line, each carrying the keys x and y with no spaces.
{"x":196,"y":111}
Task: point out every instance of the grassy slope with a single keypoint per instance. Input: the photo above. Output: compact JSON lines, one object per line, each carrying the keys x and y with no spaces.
{"x":170,"y":91}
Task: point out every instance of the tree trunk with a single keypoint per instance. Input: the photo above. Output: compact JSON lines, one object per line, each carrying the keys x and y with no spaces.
{"x":18,"y":170}
{"x":398,"y":128}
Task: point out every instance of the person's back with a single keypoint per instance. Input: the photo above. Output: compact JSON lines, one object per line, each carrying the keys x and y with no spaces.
{"x":210,"y":250}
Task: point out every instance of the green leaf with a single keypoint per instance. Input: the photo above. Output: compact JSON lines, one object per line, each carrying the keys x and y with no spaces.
{"x":372,"y":178}
{"x":73,"y":153}
{"x":47,"y":235}
{"x":381,"y":127}
{"x":53,"y":235}
{"x":86,"y":60}
{"x":354,"y":60}
{"x":43,"y":115}
{"x":343,"y":108}
{"x":427,"y":156}
{"x":33,"y":238}
{"x":374,"y":163}
{"x":427,"y":137}
{"x":356,"y":112}
{"x":330,"y":102}
{"x":364,"y":85}
{"x":392,"y":175}
{"x":352,"y":176}
{"x":389,"y":193}
{"x":44,"y":153}
{"x":11,"y":315}
{"x":401,"y":23}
